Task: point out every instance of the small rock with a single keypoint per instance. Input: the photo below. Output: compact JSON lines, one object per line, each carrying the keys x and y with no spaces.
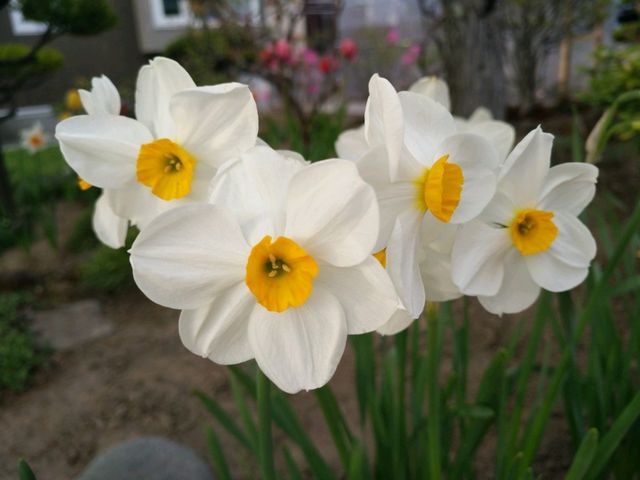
{"x":71,"y":325}
{"x":147,"y":458}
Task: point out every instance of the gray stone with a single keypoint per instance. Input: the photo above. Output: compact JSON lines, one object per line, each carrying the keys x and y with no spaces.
{"x":148,"y":458}
{"x":72,"y":324}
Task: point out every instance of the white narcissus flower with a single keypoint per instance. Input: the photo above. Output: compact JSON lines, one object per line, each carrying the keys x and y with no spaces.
{"x":278,"y":267}
{"x":481,"y":122}
{"x":103,"y":98}
{"x":182,"y":134}
{"x":34,"y":138}
{"x":352,"y":144}
{"x":529,"y":236}
{"x":110,"y":228}
{"x":428,"y":179}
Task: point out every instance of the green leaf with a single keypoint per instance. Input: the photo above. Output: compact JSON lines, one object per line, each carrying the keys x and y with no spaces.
{"x":24,"y":471}
{"x":217,"y":455}
{"x":584,"y":456}
{"x":225,"y":420}
{"x":292,"y":467}
{"x":286,"y":419}
{"x":358,"y":467}
{"x":614,"y":436}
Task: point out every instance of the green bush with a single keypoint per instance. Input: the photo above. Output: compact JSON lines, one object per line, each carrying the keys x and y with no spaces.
{"x":615,"y":72}
{"x":47,"y":61}
{"x":214,"y":56}
{"x":108,"y":270}
{"x":19,"y":355}
{"x":39,"y":181}
{"x":76,"y":17}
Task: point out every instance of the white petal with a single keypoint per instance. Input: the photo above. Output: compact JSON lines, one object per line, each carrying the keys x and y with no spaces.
{"x":499,"y":134}
{"x":569,"y":187}
{"x":393,"y":198}
{"x":383,"y":124}
{"x":136,"y":203}
{"x":398,"y":322}
{"x":109,"y":227}
{"x":102,"y":149}
{"x":187,"y":255}
{"x":481,"y":114}
{"x":300,"y":348}
{"x":216,"y":123}
{"x":566,"y":263}
{"x":255,"y":188}
{"x":351,"y":144}
{"x":220,"y":330}
{"x":574,"y":244}
{"x":103,"y":97}
{"x":434,"y":88}
{"x":365,"y":292}
{"x":426,"y":125}
{"x":156,"y":84}
{"x":402,"y":261}
{"x":477,"y":260}
{"x":436,"y":274}
{"x":518,"y":291}
{"x":525,"y":169}
{"x":332,"y":213}
{"x":477,"y":159}
{"x":499,"y":212}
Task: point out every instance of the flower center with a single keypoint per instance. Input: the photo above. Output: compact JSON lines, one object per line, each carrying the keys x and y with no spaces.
{"x":166,"y":167}
{"x":533,"y":231}
{"x":280,"y":274}
{"x":381,"y":256}
{"x":439,"y":189}
{"x":36,"y":140}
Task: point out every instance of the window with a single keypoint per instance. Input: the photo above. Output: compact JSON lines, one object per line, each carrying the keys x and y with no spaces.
{"x":170,"y":14}
{"x":21,"y":26}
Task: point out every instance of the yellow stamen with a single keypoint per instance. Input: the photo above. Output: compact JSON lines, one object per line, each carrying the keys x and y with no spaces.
{"x":280,"y":274}
{"x":83,"y":184}
{"x":381,"y":256}
{"x":166,"y":167}
{"x":533,"y":231}
{"x":439,"y":189}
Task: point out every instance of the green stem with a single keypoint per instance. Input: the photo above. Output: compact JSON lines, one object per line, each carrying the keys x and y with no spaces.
{"x":401,"y":402}
{"x":532,"y":443}
{"x":263,"y":395}
{"x":336,"y":423}
{"x":433,"y":395}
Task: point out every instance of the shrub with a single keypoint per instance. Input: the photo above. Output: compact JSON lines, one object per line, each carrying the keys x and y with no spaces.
{"x":19,"y":355}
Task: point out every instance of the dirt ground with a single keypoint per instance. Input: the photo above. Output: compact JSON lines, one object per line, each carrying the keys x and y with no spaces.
{"x":138,"y":380}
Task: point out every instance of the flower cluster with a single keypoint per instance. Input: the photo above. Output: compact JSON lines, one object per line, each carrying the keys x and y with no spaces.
{"x":273,"y":258}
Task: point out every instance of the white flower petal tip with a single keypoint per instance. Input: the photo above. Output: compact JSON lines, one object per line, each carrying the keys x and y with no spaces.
{"x":102,"y":149}
{"x":109,"y":227}
{"x":434,"y":88}
{"x":399,"y":321}
{"x":300,"y":348}
{"x":352,"y":144}
{"x":103,"y":97}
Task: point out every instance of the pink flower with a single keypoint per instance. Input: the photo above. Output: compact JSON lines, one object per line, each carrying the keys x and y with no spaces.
{"x":393,"y":36}
{"x":266,"y":54}
{"x":410,"y":56}
{"x":282,"y":50}
{"x":309,"y":57}
{"x":348,"y":48}
{"x":328,"y":64}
